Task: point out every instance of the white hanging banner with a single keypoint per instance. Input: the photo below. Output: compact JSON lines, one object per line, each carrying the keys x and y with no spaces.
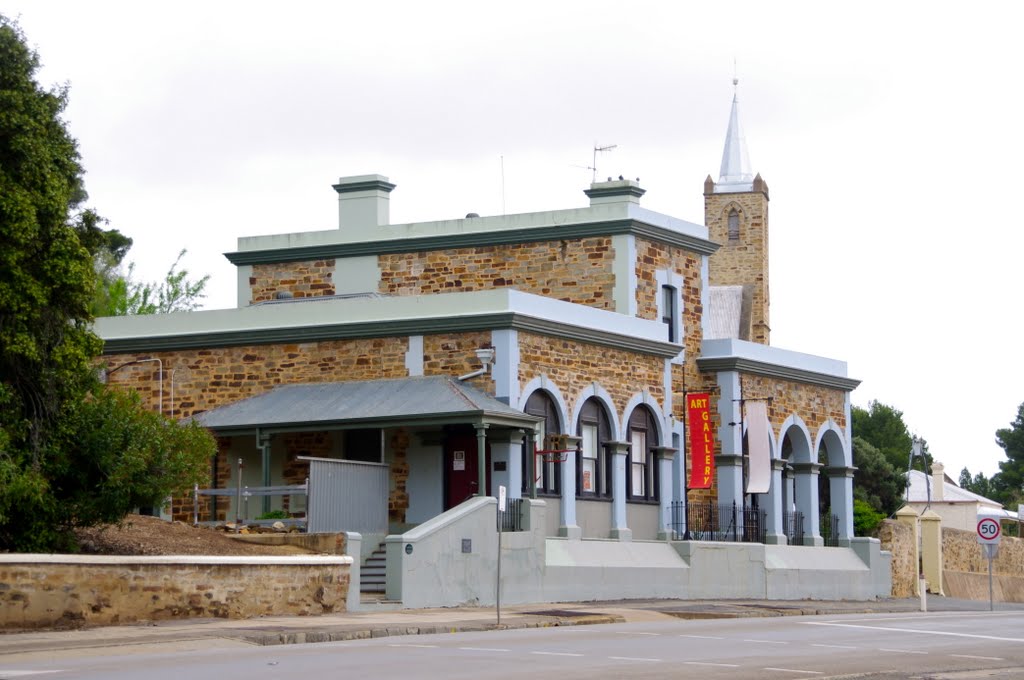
{"x":759,"y":471}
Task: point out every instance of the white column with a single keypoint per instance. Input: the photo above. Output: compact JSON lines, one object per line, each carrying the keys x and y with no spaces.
{"x":840,"y":487}
{"x":807,"y":500}
{"x":774,"y":532}
{"x":506,"y":461}
{"x":730,"y":435}
{"x":619,"y":452}
{"x":664,"y":457}
{"x":567,"y":522}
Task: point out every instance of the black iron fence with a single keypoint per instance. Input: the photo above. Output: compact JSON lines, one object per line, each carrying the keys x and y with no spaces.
{"x":830,"y":529}
{"x":718,"y":522}
{"x":512,"y":518}
{"x":793,"y":527}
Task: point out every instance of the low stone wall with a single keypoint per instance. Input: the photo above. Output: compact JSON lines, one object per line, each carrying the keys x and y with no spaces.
{"x":323,"y":543}
{"x":898,"y":539}
{"x":966,"y":568}
{"x":962,"y":552}
{"x":42,"y":591}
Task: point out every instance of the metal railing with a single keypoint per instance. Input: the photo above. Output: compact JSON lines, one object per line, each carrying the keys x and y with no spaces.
{"x":718,"y":522}
{"x":830,"y":529}
{"x":793,"y":527}
{"x":242,"y":494}
{"x":512,"y":518}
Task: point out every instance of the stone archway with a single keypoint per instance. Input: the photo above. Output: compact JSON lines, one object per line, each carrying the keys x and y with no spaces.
{"x":800,"y":489}
{"x":836,"y":483}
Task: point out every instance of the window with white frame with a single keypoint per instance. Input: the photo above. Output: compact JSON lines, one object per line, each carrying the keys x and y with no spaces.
{"x":642,"y":472}
{"x":638,"y":464}
{"x":594,"y":430}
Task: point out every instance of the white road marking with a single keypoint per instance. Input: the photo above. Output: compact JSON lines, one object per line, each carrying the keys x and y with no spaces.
{"x":983,"y":658}
{"x":555,"y":654}
{"x":769,"y":642}
{"x":901,"y":651}
{"x":632,"y":658}
{"x":702,"y":637}
{"x":483,"y":649}
{"x":918,"y":617}
{"x":629,"y":632}
{"x":913,"y":630}
{"x":835,"y":646}
{"x":793,"y":670}
{"x":416,"y":646}
{"x":708,"y":663}
{"x":24,"y":674}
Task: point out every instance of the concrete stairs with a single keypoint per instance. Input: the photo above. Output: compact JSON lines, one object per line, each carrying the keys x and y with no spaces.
{"x":373,"y":573}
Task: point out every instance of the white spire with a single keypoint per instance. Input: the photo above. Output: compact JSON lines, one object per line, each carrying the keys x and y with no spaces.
{"x":736,"y":174}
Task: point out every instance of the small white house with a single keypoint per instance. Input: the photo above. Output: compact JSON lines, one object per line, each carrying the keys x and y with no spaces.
{"x":959,"y":508}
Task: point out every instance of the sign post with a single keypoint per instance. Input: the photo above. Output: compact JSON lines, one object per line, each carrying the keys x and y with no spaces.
{"x":989,"y":533}
{"x":501,"y":523}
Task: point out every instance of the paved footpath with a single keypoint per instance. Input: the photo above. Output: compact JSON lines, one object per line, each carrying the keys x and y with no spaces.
{"x":366,"y":624}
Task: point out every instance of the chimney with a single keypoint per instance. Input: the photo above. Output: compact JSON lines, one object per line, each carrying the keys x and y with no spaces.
{"x":615,"y":191}
{"x":938,"y":480}
{"x":363,"y":201}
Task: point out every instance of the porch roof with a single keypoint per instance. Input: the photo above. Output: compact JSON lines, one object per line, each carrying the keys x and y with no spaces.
{"x":426,"y":400}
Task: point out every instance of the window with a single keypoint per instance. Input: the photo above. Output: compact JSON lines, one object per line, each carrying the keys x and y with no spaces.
{"x":642,"y":473}
{"x":549,"y":477}
{"x":734,"y":225}
{"x":638,"y":464}
{"x":592,"y":472}
{"x":669,"y":312}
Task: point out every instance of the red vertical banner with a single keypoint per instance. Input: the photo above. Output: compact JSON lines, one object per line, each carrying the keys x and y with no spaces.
{"x":702,"y":440}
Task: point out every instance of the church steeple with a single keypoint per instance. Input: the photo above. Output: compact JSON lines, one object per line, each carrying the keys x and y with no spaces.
{"x":736,"y":214}
{"x":736,"y":174}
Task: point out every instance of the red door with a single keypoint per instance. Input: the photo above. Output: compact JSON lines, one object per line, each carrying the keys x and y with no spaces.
{"x":461,"y":468}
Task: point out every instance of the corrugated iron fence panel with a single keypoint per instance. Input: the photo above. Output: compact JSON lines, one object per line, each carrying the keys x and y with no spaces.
{"x":347,"y":495}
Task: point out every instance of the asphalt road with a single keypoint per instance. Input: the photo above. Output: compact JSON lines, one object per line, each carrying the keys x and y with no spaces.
{"x":949,"y":646}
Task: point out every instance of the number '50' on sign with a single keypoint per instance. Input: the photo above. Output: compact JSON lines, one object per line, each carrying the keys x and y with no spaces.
{"x":989,"y":530}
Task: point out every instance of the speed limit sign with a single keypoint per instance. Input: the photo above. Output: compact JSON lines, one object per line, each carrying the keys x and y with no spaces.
{"x":989,"y":530}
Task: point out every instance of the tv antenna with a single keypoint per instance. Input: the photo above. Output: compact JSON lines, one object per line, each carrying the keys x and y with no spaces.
{"x":600,"y":149}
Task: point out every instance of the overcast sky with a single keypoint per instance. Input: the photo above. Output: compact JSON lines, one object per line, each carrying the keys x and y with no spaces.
{"x":889,"y":133}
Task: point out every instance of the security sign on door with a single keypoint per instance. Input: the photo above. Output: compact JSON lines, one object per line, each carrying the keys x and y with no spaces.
{"x":989,"y":530}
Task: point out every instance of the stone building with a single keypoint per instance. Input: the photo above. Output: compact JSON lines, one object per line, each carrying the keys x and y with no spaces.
{"x":447,"y":352}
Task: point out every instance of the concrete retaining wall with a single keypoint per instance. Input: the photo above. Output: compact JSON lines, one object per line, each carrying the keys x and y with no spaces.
{"x":452,"y":560}
{"x":70,"y":590}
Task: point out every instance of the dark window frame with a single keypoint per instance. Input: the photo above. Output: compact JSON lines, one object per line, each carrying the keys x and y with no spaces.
{"x":642,"y":419}
{"x":594,"y":413}
{"x":541,"y":403}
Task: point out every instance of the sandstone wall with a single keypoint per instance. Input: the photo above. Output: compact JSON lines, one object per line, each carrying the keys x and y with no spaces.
{"x":577,"y":271}
{"x":813,"y":403}
{"x":898,"y":539}
{"x":962,"y":552}
{"x":301,"y":279}
{"x":41,"y":591}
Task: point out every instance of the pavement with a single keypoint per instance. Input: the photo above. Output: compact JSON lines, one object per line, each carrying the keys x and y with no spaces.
{"x":283,"y":630}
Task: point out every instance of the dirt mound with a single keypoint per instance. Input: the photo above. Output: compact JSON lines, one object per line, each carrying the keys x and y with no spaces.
{"x":142,"y":535}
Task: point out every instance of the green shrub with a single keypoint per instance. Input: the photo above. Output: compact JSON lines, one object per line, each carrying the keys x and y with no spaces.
{"x":866,"y":519}
{"x":274,"y":514}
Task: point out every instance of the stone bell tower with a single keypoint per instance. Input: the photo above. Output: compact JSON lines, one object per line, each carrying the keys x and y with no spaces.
{"x":736,"y":214}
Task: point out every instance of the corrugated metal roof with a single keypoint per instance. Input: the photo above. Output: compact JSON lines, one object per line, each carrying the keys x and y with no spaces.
{"x":371,"y":401}
{"x":917,"y":492}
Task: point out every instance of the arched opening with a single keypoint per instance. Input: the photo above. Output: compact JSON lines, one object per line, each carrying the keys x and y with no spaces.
{"x":642,"y":471}
{"x":734,"y":225}
{"x":542,"y":404}
{"x":593,"y":465}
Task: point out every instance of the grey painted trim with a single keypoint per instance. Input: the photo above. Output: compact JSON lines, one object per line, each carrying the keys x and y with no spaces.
{"x":379,"y":329}
{"x":618,"y":190}
{"x":368,"y":185}
{"x":469,"y":239}
{"x":752,"y":366}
